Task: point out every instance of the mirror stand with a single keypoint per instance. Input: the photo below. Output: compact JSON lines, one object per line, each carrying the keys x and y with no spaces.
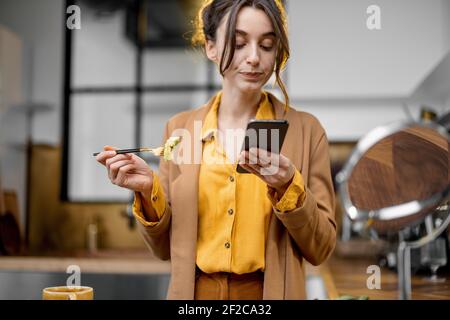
{"x":404,"y":257}
{"x":404,"y":270}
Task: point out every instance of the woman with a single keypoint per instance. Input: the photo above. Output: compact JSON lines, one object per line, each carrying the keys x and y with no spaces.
{"x":231,"y":235}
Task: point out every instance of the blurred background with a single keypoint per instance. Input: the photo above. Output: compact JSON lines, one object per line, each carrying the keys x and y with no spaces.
{"x":65,"y":93}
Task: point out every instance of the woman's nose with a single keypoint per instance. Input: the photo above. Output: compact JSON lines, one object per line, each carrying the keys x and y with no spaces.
{"x":253,"y":56}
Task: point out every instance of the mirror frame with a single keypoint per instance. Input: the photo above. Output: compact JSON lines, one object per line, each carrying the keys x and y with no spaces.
{"x":392,"y":212}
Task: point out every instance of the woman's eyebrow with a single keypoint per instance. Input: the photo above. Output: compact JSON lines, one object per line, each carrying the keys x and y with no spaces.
{"x":264,"y":35}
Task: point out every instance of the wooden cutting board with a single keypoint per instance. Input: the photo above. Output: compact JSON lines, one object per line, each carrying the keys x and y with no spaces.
{"x":2,"y":201}
{"x":10,"y":235}
{"x":10,"y":242}
{"x":11,"y":203}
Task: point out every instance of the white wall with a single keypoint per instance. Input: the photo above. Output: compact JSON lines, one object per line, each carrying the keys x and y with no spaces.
{"x":39,"y":24}
{"x":13,"y":119}
{"x":354,"y":79}
{"x":446,"y":22}
{"x":335,"y":55}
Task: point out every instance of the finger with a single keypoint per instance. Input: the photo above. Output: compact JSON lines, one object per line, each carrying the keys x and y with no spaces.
{"x":253,"y":151}
{"x":264,"y":157}
{"x":284,"y":160}
{"x":263,"y":153}
{"x":252,"y":156}
{"x":284,"y":165}
{"x":255,"y":168}
{"x":108,"y":148}
{"x":118,"y":157}
{"x":271,"y":170}
{"x":243,"y":157}
{"x":114,"y":168}
{"x":122,"y":172}
{"x":264,"y":161}
{"x":250,"y":169}
{"x":104,"y":155}
{"x":266,"y":166}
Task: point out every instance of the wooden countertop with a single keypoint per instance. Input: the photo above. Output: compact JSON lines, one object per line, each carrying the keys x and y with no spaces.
{"x":342,"y":276}
{"x":119,"y":262}
{"x":348,"y":276}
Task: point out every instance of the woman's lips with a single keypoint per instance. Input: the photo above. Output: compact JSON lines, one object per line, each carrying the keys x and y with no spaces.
{"x":251,"y":75}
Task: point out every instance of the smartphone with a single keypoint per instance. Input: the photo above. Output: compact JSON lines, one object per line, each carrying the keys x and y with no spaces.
{"x":264,"y":134}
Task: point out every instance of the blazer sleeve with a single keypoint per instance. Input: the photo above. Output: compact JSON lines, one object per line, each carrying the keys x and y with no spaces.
{"x":157,"y":235}
{"x":312,"y":226}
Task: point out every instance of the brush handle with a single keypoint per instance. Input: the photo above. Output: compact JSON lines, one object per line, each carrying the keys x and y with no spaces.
{"x":120,"y":151}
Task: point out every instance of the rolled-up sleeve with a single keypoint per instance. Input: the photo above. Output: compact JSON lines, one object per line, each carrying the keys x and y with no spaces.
{"x":157,"y":200}
{"x":293,"y":197}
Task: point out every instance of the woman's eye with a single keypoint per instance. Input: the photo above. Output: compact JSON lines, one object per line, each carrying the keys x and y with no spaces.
{"x":264,"y":47}
{"x":267,"y":45}
{"x":267,"y":48}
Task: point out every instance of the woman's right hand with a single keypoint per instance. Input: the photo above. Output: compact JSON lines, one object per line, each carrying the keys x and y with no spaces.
{"x":127,"y":170}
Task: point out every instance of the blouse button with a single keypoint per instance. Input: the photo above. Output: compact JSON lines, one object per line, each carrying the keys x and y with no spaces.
{"x":227,"y":245}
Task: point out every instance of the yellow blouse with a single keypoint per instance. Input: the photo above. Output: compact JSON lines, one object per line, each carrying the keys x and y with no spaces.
{"x":233,"y":209}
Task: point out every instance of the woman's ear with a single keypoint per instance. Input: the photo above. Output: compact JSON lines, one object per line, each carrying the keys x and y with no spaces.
{"x":211,"y":51}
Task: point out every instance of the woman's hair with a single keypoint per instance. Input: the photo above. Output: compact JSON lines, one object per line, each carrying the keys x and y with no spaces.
{"x":211,"y":14}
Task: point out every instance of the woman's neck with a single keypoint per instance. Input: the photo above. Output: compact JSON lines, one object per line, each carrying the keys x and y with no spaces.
{"x":237,"y":106}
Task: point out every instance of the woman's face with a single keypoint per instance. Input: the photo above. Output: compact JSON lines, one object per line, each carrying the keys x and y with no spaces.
{"x":254,"y":57}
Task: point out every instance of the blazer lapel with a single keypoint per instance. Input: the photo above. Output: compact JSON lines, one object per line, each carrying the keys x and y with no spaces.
{"x":293,"y":137}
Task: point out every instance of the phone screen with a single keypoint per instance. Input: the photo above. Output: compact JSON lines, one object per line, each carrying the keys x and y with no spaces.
{"x":264,"y":134}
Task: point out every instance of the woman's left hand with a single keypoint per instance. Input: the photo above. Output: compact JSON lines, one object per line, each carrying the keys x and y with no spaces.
{"x":274,"y":169}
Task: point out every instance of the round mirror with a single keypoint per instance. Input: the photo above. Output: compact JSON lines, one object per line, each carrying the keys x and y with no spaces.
{"x":396,"y":175}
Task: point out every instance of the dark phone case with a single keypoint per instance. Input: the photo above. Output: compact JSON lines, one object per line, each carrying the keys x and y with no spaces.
{"x":257,"y":125}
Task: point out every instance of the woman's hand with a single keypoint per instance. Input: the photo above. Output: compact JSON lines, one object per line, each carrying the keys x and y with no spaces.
{"x":127,"y":170}
{"x":274,"y":169}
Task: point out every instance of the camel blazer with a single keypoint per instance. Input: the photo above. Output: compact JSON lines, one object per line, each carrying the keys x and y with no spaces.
{"x":307,"y":233}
